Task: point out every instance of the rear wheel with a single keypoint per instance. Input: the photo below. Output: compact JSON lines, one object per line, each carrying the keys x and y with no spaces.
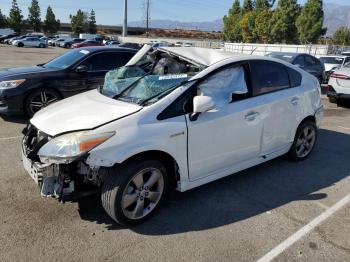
{"x":304,"y":141}
{"x":332,"y":100}
{"x":39,"y":99}
{"x":133,"y":193}
{"x":41,"y":45}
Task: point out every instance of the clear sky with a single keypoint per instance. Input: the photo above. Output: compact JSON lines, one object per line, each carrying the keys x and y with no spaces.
{"x":110,"y":12}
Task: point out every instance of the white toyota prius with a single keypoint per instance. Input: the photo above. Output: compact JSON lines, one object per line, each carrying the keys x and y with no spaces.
{"x":172,"y":118}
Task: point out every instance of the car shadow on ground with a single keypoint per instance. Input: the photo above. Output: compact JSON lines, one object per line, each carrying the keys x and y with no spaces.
{"x":344,"y":103}
{"x":244,"y":195}
{"x":15,"y":119}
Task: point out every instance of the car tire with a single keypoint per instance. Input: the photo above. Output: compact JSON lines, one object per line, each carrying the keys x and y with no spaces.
{"x":130,"y":200}
{"x":304,"y":141}
{"x":332,"y":100}
{"x":39,"y":99}
{"x":20,"y":44}
{"x":41,"y":45}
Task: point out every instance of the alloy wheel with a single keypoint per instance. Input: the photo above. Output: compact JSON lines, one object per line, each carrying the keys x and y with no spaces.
{"x":142,"y":193}
{"x":41,"y":100}
{"x":305,"y":142}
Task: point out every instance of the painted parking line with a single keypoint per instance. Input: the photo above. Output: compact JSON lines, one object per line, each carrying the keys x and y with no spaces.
{"x":10,"y":138}
{"x":343,"y":127}
{"x":304,"y":230}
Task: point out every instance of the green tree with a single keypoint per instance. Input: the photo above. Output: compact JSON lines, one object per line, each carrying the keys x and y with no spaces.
{"x":283,"y":22}
{"x":15,"y":17}
{"x":247,"y":24}
{"x":51,"y":25}
{"x":342,"y":36}
{"x":92,"y":28}
{"x":79,"y":22}
{"x":262,"y":4}
{"x":232,"y":28}
{"x":3,"y":20}
{"x":262,"y":28}
{"x":248,"y":6}
{"x":310,"y":21}
{"x":34,"y":16}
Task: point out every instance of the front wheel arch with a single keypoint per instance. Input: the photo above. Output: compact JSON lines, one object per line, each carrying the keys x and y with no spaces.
{"x":166,"y":159}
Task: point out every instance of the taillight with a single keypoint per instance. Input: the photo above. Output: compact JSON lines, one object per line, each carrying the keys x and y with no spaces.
{"x":339,"y":76}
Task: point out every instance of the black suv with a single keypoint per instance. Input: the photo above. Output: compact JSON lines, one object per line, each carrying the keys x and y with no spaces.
{"x":28,"y":89}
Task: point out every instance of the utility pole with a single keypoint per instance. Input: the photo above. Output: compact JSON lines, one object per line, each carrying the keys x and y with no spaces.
{"x":125,"y":25}
{"x":147,"y":14}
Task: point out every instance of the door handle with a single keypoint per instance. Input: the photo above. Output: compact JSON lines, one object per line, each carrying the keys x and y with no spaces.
{"x":295,"y":100}
{"x":251,"y":116}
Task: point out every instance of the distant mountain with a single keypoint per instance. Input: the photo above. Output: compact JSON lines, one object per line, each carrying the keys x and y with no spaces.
{"x":335,"y":16}
{"x":215,"y":25}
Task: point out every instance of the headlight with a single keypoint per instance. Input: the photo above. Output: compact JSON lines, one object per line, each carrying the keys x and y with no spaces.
{"x":11,"y":83}
{"x":66,"y":148}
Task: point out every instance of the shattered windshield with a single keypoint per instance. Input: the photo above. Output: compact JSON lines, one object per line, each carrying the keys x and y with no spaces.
{"x":152,"y":77}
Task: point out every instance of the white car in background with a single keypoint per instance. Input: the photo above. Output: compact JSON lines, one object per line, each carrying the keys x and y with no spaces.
{"x":339,"y":84}
{"x":30,"y":42}
{"x":332,"y":63}
{"x":171,"y":118}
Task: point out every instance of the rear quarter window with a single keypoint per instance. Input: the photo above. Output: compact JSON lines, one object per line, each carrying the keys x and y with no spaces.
{"x":294,"y":77}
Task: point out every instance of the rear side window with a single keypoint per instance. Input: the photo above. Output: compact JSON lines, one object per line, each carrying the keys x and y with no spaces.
{"x":299,"y":61}
{"x":309,"y":61}
{"x":294,"y":77}
{"x":268,"y":77}
{"x":107,"y":61}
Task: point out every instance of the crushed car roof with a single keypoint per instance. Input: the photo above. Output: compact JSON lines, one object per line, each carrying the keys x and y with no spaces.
{"x":203,"y":56}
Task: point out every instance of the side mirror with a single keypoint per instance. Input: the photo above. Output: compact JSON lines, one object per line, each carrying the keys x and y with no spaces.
{"x":81,"y":69}
{"x":201,"y":104}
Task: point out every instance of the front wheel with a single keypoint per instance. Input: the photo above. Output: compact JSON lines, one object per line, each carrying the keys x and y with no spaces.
{"x":304,"y":141}
{"x":134,"y":192}
{"x":20,"y":44}
{"x":39,"y":99}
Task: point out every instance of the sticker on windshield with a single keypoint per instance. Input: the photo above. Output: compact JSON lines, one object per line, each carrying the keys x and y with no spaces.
{"x":168,"y":77}
{"x":85,"y":52}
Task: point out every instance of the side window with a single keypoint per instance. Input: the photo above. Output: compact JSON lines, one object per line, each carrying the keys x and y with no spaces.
{"x":294,"y":77}
{"x":268,"y":77}
{"x":104,"y":61}
{"x":125,"y":57}
{"x":222,"y":85}
{"x":299,"y":61}
{"x":309,"y":61}
{"x":347,"y":59}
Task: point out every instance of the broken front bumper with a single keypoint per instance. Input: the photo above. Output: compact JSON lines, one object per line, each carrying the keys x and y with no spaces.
{"x":48,"y":177}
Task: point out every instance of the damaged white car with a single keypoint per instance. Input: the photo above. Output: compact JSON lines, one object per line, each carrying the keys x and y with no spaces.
{"x":171,"y":118}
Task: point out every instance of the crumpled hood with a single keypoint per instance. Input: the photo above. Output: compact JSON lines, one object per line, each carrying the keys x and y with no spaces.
{"x":84,"y":111}
{"x":21,"y":71}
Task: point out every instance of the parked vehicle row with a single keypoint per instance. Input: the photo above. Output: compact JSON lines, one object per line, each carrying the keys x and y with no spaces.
{"x":32,"y":40}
